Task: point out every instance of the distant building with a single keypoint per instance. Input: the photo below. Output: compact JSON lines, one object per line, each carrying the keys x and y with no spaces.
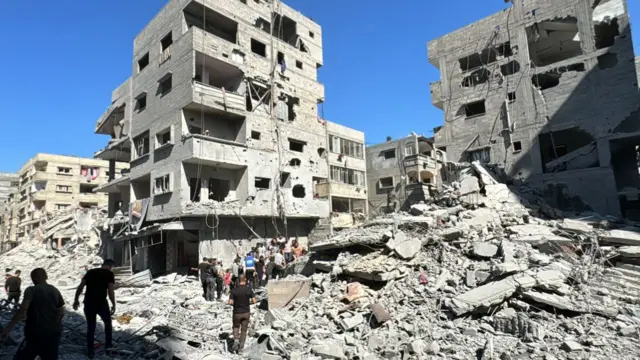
{"x":402,"y":172}
{"x":347,"y":183}
{"x":50,"y":183}
{"x":8,"y":185}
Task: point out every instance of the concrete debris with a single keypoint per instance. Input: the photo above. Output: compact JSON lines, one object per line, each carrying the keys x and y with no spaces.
{"x":487,"y":274}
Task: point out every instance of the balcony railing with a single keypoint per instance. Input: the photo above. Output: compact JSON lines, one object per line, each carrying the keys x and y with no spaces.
{"x":218,"y":98}
{"x":419,"y":160}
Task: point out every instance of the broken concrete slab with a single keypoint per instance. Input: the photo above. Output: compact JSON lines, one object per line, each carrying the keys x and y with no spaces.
{"x":484,"y":250}
{"x":629,"y":251}
{"x":282,"y":292}
{"x":626,"y":236}
{"x":349,"y":323}
{"x":485,"y":176}
{"x":408,"y":249}
{"x":469,"y":185}
{"x":380,"y":313}
{"x":571,"y":346}
{"x":452,"y":234}
{"x":556,"y":301}
{"x":329,"y":350}
{"x":575,"y":226}
{"x":419,"y":209}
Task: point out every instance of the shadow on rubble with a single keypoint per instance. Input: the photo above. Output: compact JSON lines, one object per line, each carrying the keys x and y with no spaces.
{"x":127,"y":344}
{"x":584,"y":139}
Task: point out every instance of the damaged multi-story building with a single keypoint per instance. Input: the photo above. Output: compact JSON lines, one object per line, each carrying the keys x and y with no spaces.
{"x":346,"y":187}
{"x":50,"y":183}
{"x":402,"y":172}
{"x":219,"y":120}
{"x":548,"y":91}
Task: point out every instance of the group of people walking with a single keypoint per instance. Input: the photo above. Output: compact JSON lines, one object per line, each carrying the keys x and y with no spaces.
{"x":43,"y":307}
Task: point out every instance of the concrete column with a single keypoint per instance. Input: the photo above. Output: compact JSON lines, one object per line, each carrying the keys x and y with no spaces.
{"x":204,"y":189}
{"x":112,"y":170}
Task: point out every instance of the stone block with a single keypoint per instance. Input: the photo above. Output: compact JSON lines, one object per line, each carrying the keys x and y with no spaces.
{"x":282,"y":292}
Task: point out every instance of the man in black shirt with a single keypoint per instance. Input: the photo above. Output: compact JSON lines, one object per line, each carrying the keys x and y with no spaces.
{"x":203,"y":269}
{"x":43,"y":306}
{"x":12,"y":286}
{"x":99,"y":283}
{"x":241,"y":298}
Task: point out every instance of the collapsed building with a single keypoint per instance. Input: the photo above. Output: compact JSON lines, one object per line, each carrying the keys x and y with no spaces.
{"x":402,"y":172}
{"x":219,"y":122}
{"x":548,"y":91}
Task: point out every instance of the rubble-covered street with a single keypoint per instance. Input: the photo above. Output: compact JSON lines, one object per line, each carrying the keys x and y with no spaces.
{"x":484,"y":271}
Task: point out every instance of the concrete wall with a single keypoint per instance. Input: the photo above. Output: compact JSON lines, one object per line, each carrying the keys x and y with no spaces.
{"x":596,"y":93}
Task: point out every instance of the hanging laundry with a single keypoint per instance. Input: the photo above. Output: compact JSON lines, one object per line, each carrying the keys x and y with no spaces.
{"x":283,"y":66}
{"x":84,"y":171}
{"x":94,"y":173}
{"x":339,"y":157}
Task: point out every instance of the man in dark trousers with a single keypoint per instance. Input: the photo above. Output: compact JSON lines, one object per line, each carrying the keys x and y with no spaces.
{"x":202,"y":269}
{"x":99,"y":283}
{"x":218,"y":275}
{"x":260,"y":272}
{"x":43,"y":306}
{"x":241,"y":298}
{"x":12,"y":286}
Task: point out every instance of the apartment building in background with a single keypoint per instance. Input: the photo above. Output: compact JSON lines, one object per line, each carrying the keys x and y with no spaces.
{"x":402,"y":172}
{"x":49,"y":183}
{"x":346,"y":187}
{"x":548,"y":91}
{"x":219,"y":121}
{"x":8,"y":185}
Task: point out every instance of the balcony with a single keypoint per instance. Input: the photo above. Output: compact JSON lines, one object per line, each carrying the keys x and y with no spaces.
{"x":420,"y":161}
{"x":115,"y":185}
{"x":117,"y":150}
{"x":436,"y":94}
{"x":215,"y":151}
{"x":218,"y":85}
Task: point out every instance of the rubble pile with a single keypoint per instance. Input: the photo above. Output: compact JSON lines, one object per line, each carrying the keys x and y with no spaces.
{"x":478,"y":272}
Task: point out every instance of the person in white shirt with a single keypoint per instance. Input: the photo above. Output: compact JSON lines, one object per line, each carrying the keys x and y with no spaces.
{"x":279,"y":264}
{"x":288,"y":256}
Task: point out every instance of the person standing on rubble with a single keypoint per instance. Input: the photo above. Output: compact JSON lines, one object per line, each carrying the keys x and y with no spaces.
{"x":235,"y":271}
{"x":286,"y":248}
{"x":43,"y":306}
{"x":296,"y":249}
{"x":241,"y":298}
{"x":219,"y":276}
{"x":279,"y":264}
{"x":259,"y":271}
{"x":12,"y":287}
{"x":202,"y":269}
{"x":100,"y":283}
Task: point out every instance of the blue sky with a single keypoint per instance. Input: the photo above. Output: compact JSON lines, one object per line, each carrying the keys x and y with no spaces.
{"x":61,"y":60}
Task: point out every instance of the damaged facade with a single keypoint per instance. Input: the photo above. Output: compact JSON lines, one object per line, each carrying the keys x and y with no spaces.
{"x":401,"y":172}
{"x":220,"y":124}
{"x":346,"y":188}
{"x":548,"y":90}
{"x":49,"y":184}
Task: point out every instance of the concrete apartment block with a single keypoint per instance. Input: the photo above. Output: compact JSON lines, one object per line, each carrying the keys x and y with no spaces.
{"x":216,"y":158}
{"x":50,"y":183}
{"x":346,"y":187}
{"x":401,"y":172}
{"x":8,"y":185}
{"x":547,"y":90}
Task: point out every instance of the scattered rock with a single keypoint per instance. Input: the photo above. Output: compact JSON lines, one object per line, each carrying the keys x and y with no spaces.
{"x":484,"y":250}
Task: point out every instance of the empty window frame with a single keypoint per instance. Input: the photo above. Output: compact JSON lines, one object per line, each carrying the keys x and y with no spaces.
{"x":299,"y":64}
{"x":255,"y":135}
{"x":262,"y":183}
{"x":517,"y":146}
{"x":64,"y":170}
{"x":87,"y":188}
{"x":165,"y":85}
{"x":296,"y":145}
{"x":385,"y":182}
{"x":63,"y":188}
{"x":162,"y":184}
{"x":143,"y":62}
{"x":553,"y":41}
{"x":141,"y":144}
{"x":388,"y":154}
{"x":62,"y":206}
{"x":258,"y":48}
{"x":347,"y":176}
{"x":475,"y":108}
{"x":141,"y":102}
{"x":482,"y":155}
{"x":166,"y":41}
{"x":216,"y":23}
{"x":410,"y":149}
{"x":511,"y":97}
{"x":163,"y":137}
{"x":346,"y":147}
